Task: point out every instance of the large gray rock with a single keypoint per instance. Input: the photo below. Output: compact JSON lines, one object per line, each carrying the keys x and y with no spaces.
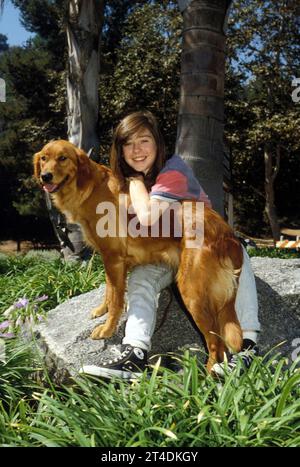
{"x":64,"y":336}
{"x":278,"y":287}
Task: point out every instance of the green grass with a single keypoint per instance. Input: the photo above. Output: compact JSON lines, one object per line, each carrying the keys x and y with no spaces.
{"x":33,"y":276}
{"x":163,"y":409}
{"x":274,"y":253}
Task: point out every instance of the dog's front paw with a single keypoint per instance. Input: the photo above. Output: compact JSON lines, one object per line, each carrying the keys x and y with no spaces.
{"x":99,"y":310}
{"x":102,"y":332}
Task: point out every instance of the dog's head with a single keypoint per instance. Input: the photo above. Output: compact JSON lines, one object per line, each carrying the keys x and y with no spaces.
{"x":58,"y":164}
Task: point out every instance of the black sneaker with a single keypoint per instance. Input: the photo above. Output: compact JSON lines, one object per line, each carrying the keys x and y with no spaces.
{"x":130,"y":364}
{"x":245,"y":356}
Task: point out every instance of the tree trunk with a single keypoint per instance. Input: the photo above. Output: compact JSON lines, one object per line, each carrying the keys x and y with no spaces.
{"x":201,"y":110}
{"x":85,"y":18}
{"x":270,"y":176}
{"x":84,"y":25}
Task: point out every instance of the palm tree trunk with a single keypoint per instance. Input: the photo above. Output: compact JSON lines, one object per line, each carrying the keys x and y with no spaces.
{"x":201,"y":109}
{"x":85,"y":18}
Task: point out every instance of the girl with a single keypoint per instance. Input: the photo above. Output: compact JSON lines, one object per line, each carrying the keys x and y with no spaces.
{"x":138,"y":158}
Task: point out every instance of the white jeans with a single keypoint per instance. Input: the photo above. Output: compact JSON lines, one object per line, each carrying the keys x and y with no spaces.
{"x":146,"y":282}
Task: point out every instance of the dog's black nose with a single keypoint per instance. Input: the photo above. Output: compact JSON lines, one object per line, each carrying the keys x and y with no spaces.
{"x":47,"y":177}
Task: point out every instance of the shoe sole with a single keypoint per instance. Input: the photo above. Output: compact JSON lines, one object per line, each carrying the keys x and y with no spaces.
{"x":94,"y":370}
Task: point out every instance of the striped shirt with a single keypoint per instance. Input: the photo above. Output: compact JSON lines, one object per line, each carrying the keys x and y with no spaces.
{"x":176,"y":181}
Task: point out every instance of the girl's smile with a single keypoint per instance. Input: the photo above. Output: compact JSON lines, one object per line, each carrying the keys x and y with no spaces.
{"x":140,"y":151}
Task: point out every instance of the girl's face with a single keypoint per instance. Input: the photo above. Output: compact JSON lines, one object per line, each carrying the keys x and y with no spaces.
{"x":140,"y":151}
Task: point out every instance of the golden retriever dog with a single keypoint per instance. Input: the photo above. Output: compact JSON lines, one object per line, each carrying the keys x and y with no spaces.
{"x":207,"y":276}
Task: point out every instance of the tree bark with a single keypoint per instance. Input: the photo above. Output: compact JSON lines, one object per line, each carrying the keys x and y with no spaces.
{"x":270,"y":176}
{"x":83,"y":28}
{"x":84,"y":25}
{"x":201,"y":110}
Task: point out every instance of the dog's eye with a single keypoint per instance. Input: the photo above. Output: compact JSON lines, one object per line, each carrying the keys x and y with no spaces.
{"x":43,"y":158}
{"x":62,"y":158}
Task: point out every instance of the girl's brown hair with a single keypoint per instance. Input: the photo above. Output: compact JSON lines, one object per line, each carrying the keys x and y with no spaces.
{"x":130,"y":125}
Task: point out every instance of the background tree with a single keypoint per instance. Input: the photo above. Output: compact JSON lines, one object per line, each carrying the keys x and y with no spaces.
{"x":3,"y":43}
{"x":28,"y":118}
{"x":82,"y":21}
{"x":201,"y":110}
{"x":34,"y":112}
{"x":265,"y":37}
{"x":143,"y":71}
{"x":83,"y":28}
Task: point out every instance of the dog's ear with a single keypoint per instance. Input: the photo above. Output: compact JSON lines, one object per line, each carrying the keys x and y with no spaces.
{"x":36,"y":165}
{"x":84,"y":169}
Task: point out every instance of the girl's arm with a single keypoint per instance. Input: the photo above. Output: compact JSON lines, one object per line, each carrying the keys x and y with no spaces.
{"x":148,"y":210}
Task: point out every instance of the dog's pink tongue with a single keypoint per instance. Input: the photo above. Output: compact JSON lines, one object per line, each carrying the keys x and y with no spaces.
{"x":49,"y":187}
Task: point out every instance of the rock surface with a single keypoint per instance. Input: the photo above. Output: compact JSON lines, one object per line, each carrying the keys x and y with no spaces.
{"x":65,"y":342}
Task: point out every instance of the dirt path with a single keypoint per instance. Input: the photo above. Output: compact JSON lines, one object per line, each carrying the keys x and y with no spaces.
{"x":10,"y":246}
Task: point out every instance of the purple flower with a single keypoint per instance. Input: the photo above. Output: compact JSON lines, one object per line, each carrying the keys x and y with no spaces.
{"x":41,"y":299}
{"x":7,"y":335}
{"x":5,"y":324}
{"x":21,"y":303}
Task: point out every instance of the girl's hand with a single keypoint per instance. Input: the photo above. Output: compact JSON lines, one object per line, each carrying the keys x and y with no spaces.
{"x":148,"y":210}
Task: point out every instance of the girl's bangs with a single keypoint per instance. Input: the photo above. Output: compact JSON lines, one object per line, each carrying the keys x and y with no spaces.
{"x":132,"y":128}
